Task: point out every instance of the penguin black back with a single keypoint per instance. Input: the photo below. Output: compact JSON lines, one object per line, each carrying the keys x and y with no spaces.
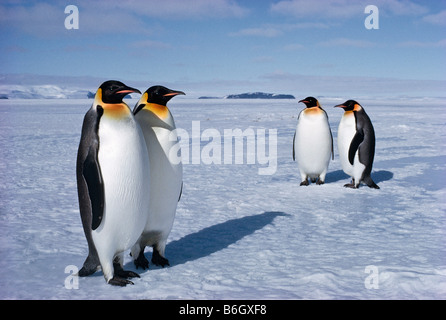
{"x":363,"y":141}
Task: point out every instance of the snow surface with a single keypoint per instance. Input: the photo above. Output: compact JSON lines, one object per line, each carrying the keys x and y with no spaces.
{"x":237,"y":234}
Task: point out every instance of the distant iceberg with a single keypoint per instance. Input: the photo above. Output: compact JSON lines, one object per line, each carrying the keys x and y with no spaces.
{"x":253,"y":95}
{"x":259,"y":95}
{"x":40,"y":92}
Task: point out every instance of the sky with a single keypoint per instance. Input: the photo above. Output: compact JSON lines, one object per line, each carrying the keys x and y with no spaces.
{"x":218,"y":47}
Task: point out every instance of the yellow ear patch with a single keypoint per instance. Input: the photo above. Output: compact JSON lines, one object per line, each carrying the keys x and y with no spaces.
{"x":357,"y":107}
{"x":98,"y":98}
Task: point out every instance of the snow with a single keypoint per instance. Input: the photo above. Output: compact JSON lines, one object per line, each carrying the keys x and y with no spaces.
{"x":237,"y":234}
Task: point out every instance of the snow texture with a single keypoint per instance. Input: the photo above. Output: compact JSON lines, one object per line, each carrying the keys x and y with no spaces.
{"x":237,"y":234}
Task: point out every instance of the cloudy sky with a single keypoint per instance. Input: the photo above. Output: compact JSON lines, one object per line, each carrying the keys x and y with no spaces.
{"x":230,"y":46}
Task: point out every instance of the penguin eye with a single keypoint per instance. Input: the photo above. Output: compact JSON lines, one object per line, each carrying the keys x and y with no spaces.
{"x":113,"y":88}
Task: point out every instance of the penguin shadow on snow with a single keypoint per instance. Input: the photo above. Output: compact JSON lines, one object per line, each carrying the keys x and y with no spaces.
{"x":339,"y":175}
{"x":334,"y":176}
{"x":382,"y":175}
{"x":214,"y":238}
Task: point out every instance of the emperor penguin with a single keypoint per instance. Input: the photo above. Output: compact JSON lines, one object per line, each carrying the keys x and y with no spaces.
{"x":166,"y":173}
{"x":313,"y":142}
{"x":113,"y":181}
{"x":356,"y":144}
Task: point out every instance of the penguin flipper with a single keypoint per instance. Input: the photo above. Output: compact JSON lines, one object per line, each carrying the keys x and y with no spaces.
{"x":354,"y":145}
{"x":181,"y":191}
{"x":294,"y":139}
{"x":138,"y":107}
{"x":93,"y":177}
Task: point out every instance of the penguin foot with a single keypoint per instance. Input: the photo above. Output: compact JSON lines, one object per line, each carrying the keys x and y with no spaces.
{"x":320,"y":182}
{"x":118,"y":281}
{"x":127,"y":274}
{"x":85,"y":272}
{"x":304,"y":183}
{"x":158,"y":260}
{"x":121,"y":273}
{"x":370,"y":183}
{"x":350,"y":185}
{"x":90,"y":266}
{"x":141,"y":261}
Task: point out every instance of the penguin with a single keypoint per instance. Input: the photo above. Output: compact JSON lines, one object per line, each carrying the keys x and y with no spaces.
{"x":356,"y":144}
{"x":166,"y":173}
{"x":312,"y":142}
{"x":113,"y":181}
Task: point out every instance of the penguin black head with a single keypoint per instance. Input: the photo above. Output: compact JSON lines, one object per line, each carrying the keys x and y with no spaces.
{"x":114,"y":91}
{"x":310,"y":102}
{"x":349,"y":105}
{"x":161,"y":95}
{"x":157,"y":95}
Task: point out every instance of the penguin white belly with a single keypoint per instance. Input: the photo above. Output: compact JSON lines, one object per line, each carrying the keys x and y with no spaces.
{"x":346,"y":132}
{"x":166,"y":178}
{"x":125,"y":171}
{"x":312,"y":144}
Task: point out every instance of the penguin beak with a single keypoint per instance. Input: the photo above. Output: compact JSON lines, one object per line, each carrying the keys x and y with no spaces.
{"x":174,"y":93}
{"x":339,"y":106}
{"x":304,"y":101}
{"x":128,"y":90}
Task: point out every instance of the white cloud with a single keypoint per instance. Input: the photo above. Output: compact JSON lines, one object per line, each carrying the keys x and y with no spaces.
{"x":151,"y":44}
{"x":421,"y":44}
{"x":344,"y":42}
{"x":313,"y":10}
{"x":275,"y":30}
{"x":267,"y":32}
{"x":341,"y":9}
{"x":181,"y":9}
{"x":436,"y":19}
{"x":110,"y":17}
{"x":294,"y":47}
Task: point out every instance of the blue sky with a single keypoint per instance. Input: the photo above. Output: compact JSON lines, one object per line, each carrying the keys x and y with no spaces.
{"x":228,"y":46}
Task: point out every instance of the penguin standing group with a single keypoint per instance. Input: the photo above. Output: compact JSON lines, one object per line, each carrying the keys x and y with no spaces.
{"x":129,"y":187}
{"x":127,"y":190}
{"x":313,"y":143}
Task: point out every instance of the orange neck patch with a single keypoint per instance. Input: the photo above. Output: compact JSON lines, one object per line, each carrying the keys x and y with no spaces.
{"x":161,"y":111}
{"x":313,"y":110}
{"x":116,"y":110}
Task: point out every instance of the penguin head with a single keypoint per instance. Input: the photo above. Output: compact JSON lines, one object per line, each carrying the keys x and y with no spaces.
{"x":161,"y":95}
{"x":113,"y":91}
{"x":158,"y":95}
{"x":310,"y":102}
{"x":349,"y":105}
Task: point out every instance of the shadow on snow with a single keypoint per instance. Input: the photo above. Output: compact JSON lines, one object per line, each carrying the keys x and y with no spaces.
{"x":214,"y":238}
{"x":377,"y":176}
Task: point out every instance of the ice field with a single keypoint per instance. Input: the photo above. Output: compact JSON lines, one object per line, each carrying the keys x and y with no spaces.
{"x":237,"y":234}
